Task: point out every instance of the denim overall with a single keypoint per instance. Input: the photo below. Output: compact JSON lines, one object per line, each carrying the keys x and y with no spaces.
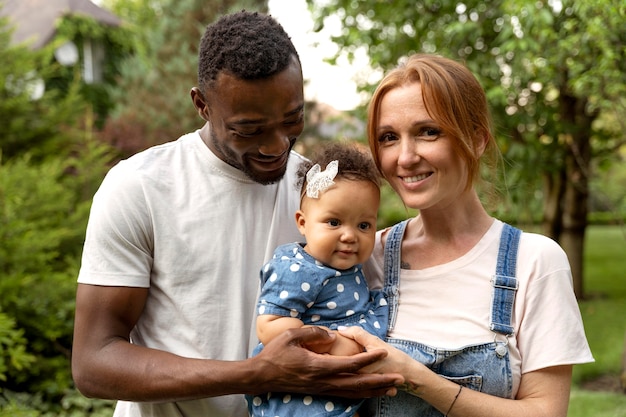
{"x":485,"y":367}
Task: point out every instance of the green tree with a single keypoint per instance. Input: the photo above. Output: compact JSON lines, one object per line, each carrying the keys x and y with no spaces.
{"x":43,"y":212}
{"x":13,"y":351}
{"x":152,"y":94}
{"x":117,"y":44}
{"x":31,"y":119}
{"x":50,"y":166}
{"x":553,"y":71}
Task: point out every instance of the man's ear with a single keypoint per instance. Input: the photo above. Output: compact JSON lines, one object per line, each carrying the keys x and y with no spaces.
{"x":200,"y":103}
{"x":301,"y":221}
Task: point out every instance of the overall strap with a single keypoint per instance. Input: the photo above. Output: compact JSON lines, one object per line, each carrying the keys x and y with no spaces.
{"x":504,"y":282}
{"x":391,"y":270}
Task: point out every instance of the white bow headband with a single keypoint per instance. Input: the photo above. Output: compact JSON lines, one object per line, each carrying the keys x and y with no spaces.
{"x":318,"y":180}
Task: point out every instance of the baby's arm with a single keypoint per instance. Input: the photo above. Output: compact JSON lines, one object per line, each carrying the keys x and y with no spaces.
{"x":269,"y":326}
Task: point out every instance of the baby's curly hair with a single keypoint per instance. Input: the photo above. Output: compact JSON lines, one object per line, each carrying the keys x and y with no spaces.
{"x":249,"y":45}
{"x":355,"y":163}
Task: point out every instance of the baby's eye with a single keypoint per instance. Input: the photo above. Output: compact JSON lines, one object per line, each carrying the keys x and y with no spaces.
{"x":364,"y":226}
{"x":333,"y":222}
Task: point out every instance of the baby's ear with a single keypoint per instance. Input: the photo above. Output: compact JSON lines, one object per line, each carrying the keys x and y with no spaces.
{"x":301,"y":222}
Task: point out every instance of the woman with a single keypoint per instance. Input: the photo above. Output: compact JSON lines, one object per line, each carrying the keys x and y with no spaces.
{"x":487,"y":313}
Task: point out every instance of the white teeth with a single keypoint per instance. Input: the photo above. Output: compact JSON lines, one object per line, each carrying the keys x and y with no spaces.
{"x":415,"y":178}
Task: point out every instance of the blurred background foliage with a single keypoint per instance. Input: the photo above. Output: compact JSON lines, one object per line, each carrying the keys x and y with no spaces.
{"x":57,"y":144}
{"x":555,"y":77}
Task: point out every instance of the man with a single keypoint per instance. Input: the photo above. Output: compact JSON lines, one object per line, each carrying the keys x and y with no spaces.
{"x":177,"y":234}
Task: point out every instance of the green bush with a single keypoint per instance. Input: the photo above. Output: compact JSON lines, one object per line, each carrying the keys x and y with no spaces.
{"x":13,"y":355}
{"x":43,"y":214}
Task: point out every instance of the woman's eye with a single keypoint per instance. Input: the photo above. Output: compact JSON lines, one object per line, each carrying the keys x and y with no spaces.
{"x":386,"y":137}
{"x":430,"y":133}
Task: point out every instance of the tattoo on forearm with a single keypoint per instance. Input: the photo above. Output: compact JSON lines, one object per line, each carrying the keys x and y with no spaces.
{"x":410,"y":388}
{"x":404,"y":264}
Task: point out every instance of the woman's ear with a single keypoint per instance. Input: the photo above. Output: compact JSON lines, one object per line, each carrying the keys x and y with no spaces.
{"x":482,"y":140}
{"x":301,"y":221}
{"x":200,"y":103}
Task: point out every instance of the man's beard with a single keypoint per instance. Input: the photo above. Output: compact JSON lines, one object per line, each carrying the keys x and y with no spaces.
{"x":231,"y":159}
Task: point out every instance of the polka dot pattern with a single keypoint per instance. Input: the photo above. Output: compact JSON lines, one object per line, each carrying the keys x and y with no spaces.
{"x":296,"y":285}
{"x":295,"y":405}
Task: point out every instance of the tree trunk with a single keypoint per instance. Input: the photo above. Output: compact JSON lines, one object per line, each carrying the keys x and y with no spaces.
{"x":553,"y":190}
{"x":575,"y":207}
{"x":577,"y":144}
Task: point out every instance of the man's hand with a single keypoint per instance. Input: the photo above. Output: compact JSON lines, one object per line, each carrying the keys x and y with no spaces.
{"x":286,"y":365}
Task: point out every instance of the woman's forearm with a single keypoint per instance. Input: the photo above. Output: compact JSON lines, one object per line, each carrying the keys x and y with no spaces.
{"x":542,"y":393}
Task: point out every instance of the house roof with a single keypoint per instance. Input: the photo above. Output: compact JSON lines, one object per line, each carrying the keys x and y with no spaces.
{"x":36,"y":20}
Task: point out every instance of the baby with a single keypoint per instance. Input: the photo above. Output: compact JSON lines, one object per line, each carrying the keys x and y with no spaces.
{"x":321,"y":282}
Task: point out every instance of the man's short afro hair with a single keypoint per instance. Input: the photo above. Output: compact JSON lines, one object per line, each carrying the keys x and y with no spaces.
{"x":248,"y":45}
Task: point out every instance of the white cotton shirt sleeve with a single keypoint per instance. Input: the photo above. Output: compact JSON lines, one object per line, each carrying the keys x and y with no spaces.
{"x":195,"y":231}
{"x":549,"y":325}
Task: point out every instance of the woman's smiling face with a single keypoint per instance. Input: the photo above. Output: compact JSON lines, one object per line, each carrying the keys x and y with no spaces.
{"x":417,"y":159}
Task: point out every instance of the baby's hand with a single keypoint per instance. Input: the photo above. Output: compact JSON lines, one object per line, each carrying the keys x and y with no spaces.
{"x":344,"y":346}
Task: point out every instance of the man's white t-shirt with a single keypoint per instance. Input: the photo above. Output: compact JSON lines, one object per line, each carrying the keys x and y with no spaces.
{"x":448,"y":306}
{"x":195,"y":231}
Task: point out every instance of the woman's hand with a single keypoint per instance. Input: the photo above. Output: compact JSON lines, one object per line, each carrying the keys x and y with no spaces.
{"x":341,"y":346}
{"x":542,"y":393}
{"x":287,"y":364}
{"x":395,"y":361}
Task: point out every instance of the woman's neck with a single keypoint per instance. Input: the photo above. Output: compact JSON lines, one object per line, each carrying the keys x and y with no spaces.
{"x":438,"y":236}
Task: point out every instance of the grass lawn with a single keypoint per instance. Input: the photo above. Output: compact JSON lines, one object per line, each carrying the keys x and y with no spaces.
{"x":604,"y":316}
{"x":596,"y":404}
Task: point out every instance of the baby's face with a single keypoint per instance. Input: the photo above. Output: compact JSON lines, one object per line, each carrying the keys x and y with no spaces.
{"x":340,"y":225}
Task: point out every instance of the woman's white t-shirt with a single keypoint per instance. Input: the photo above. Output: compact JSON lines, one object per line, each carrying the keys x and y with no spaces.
{"x":448,"y":306}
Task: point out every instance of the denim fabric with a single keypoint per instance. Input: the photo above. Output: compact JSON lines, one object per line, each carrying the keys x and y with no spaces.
{"x":294,"y":284}
{"x":484,"y":367}
{"x":299,"y":405}
{"x":353,"y":304}
{"x":504,"y":282}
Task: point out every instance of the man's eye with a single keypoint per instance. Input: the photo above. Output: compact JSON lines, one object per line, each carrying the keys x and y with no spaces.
{"x":247,"y":133}
{"x":299,"y":119}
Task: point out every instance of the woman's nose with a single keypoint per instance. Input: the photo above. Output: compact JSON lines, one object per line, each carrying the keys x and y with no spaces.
{"x":409,"y":153}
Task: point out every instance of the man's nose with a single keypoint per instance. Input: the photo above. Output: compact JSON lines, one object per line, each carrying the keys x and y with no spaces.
{"x":275,"y":145}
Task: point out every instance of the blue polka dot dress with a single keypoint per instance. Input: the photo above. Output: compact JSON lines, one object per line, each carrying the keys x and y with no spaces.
{"x":296,"y":285}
